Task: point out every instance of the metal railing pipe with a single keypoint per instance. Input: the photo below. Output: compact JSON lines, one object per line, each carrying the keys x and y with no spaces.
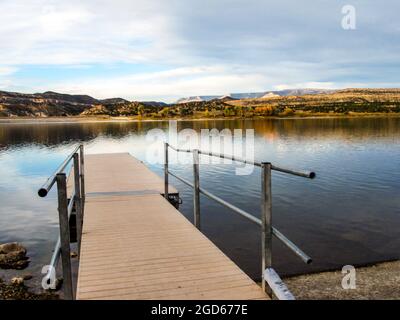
{"x":53,"y":262}
{"x":219,"y":200}
{"x":44,"y":190}
{"x":181,"y":179}
{"x":292,"y":246}
{"x":301,"y":254}
{"x":180,"y":150}
{"x":71,"y":202}
{"x":231,"y":206}
{"x":56,"y":256}
{"x":224,"y":156}
{"x":305,"y":174}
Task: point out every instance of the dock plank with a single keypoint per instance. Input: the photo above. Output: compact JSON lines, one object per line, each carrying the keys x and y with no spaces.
{"x":136,"y":245}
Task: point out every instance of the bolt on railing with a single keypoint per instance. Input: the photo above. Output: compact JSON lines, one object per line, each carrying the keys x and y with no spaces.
{"x":65,"y":208}
{"x":271,"y":282}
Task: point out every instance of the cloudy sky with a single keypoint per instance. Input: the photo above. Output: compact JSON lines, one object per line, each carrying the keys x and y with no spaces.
{"x":166,"y":49}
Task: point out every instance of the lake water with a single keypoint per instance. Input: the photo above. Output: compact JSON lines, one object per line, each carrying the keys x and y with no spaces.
{"x":349,"y":214}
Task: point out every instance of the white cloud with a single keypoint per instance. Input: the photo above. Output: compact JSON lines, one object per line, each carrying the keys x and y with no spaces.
{"x":166,"y":85}
{"x":172,"y":84}
{"x":53,"y":21}
{"x":61,"y":32}
{"x":6,"y":70}
{"x":5,"y":73}
{"x":319,"y":85}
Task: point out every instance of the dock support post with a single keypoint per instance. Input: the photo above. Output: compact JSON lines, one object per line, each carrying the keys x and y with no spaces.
{"x":78,"y":202}
{"x":166,"y":194}
{"x":196,"y":189}
{"x":266,"y":226}
{"x":64,"y":235}
{"x":82,"y":176}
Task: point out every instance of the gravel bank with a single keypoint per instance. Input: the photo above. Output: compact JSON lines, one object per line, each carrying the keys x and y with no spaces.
{"x":378,"y":282}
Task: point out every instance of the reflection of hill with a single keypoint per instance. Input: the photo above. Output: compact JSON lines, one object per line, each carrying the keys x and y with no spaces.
{"x":52,"y":134}
{"x":309,"y":128}
{"x":330,"y":128}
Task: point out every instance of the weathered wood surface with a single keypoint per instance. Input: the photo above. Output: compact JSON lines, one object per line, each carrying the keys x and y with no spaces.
{"x":136,"y":245}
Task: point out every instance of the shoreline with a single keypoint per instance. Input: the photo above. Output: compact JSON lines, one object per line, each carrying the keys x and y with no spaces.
{"x":374,"y":281}
{"x":78,"y":119}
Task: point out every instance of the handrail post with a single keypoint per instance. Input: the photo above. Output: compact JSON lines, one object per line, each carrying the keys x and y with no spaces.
{"x":166,"y":194}
{"x":82,"y":176}
{"x":64,"y":235}
{"x":196,"y":189}
{"x":78,"y":202}
{"x":266,"y":226}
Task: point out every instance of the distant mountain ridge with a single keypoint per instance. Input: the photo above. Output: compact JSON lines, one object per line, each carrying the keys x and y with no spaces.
{"x":256,"y":95}
{"x":283,"y":102}
{"x":84,"y":99}
{"x":49,"y":103}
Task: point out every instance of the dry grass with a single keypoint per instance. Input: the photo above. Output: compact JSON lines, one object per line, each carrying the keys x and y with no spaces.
{"x":378,"y":282}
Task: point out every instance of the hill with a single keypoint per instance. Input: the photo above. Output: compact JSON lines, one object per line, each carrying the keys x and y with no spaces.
{"x":49,"y":104}
{"x":302,"y":103}
{"x":255,"y":95}
{"x":337,"y":102}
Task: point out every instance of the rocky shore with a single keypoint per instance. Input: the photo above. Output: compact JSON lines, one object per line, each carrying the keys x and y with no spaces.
{"x":14,"y":256}
{"x":17,"y":290}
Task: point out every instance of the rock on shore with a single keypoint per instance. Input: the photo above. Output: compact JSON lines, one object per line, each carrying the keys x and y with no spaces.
{"x":13,"y":256}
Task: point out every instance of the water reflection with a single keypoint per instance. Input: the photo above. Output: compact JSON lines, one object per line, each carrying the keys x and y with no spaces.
{"x":349,"y":215}
{"x":345,"y":129}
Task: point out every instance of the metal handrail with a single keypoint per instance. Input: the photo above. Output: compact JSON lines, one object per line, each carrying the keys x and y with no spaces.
{"x":44,"y":190}
{"x":65,"y":209}
{"x":305,"y":174}
{"x":57,"y":248}
{"x":251,"y":218}
{"x":266,"y":226}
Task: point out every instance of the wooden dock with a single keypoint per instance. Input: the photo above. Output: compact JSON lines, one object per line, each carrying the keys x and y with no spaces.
{"x":136,"y":245}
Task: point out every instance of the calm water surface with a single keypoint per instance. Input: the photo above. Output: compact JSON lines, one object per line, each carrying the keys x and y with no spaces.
{"x":350,"y":214}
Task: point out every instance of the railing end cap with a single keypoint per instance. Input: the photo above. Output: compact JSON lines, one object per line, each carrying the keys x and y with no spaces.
{"x":42,"y":192}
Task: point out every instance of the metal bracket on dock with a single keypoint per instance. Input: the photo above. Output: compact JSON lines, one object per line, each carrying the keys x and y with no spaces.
{"x":279,"y":289}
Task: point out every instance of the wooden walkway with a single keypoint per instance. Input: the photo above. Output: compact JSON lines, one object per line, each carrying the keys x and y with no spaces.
{"x":136,"y":245}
